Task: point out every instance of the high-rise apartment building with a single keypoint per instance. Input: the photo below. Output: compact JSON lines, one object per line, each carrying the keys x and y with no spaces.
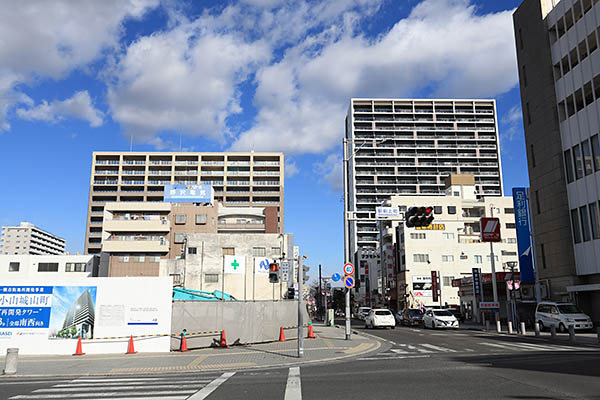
{"x":408,"y":146}
{"x":238,"y":179}
{"x":559,"y":69}
{"x":27,"y":239}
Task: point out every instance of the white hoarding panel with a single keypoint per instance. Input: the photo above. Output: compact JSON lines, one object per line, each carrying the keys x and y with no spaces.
{"x":234,"y":264}
{"x":261,"y":265}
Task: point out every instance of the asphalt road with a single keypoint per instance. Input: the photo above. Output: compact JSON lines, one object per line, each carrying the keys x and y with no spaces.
{"x":414,"y":363}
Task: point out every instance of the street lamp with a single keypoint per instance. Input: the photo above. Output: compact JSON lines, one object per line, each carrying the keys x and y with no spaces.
{"x":347,"y":158}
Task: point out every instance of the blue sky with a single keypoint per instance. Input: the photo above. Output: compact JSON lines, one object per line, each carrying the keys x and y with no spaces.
{"x":270,"y":75}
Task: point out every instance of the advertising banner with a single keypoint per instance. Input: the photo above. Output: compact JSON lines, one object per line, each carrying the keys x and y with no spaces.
{"x":434,"y":285}
{"x":234,"y":264}
{"x":476,"y":281}
{"x":189,"y":194}
{"x":261,"y":265}
{"x":523,"y":234}
{"x":421,"y":286}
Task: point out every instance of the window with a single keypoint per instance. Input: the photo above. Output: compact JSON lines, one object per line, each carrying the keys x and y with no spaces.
{"x":124,"y":258}
{"x":577,"y":11}
{"x":596,"y":84}
{"x":478,"y":259}
{"x":448,"y":280}
{"x":448,"y":235}
{"x":201,"y":219}
{"x":596,"y":152}
{"x":228,"y":251}
{"x":259,"y":251}
{"x":587,"y":4}
{"x":565,"y":65}
{"x":587,"y":157}
{"x":211,"y":278}
{"x":456,"y":194}
{"x":570,"y":105}
{"x":495,"y":258}
{"x":557,"y":73}
{"x":585,"y":223}
{"x":509,"y":253}
{"x":583,"y":53}
{"x":437,"y":209}
{"x":180,"y":219}
{"x":594,"y":222}
{"x":528,"y":113}
{"x":532,"y":156}
{"x":537,"y":202}
{"x":524,"y":76}
{"x":569,"y":165}
{"x":511,"y":240}
{"x":48,"y":267}
{"x":13,"y":267}
{"x":509,"y":211}
{"x":588,"y":93}
{"x":447,"y":258}
{"x":560,"y":27}
{"x":592,"y":42}
{"x":417,"y":236}
{"x":451,"y":209}
{"x":575,"y":226}
{"x":569,"y":19}
{"x":139,"y":258}
{"x":275,"y":251}
{"x":520,"y":39}
{"x":577,"y":160}
{"x":179,"y":237}
{"x":421,"y":258}
{"x":562,"y":112}
{"x":154,"y":258}
{"x":192,"y":250}
{"x":543,"y":251}
{"x":75,"y":267}
{"x":510,"y":225}
{"x":579,"y":99}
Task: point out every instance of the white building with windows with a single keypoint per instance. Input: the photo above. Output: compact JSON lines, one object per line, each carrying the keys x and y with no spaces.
{"x":25,"y":266}
{"x":26,"y":238}
{"x":451,"y":245}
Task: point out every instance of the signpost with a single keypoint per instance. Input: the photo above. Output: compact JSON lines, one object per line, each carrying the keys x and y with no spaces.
{"x":336,"y":277}
{"x":490,"y":232}
{"x":348,"y":269}
{"x":349,"y":282}
{"x":477,"y":289}
{"x":490,"y":305}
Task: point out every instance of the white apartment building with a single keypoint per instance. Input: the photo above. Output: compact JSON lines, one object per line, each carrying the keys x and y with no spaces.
{"x":25,"y":266}
{"x":408,"y":147}
{"x":28,"y":239}
{"x":451,"y":245}
{"x":561,"y":115}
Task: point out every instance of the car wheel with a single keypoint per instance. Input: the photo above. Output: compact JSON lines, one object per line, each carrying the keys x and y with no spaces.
{"x":432,"y":325}
{"x":561,"y":328}
{"x":393,"y":327}
{"x":541,"y":325}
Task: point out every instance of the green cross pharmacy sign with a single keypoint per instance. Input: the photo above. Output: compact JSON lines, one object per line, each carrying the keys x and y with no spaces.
{"x":234,"y":264}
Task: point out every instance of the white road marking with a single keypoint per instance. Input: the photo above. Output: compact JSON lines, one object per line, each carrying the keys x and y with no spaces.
{"x":113,"y":388}
{"x":528,"y":347}
{"x":293,"y":388}
{"x":110,"y":384}
{"x":399,"y":351}
{"x":211,"y":387}
{"x":144,"y":394}
{"x":438,"y":348}
{"x":391,"y":358}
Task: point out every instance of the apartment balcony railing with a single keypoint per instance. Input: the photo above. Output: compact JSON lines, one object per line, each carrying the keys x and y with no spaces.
{"x":134,"y":162}
{"x":211,"y":172}
{"x":157,"y":182}
{"x":159,"y":162}
{"x":187,"y":172}
{"x":105,"y":182}
{"x":238,"y":183}
{"x":159,"y":172}
{"x":212,"y":182}
{"x":265,"y":173}
{"x":136,"y":182}
{"x":213,"y":163}
{"x":106,"y":172}
{"x":107,"y":162}
{"x":263,"y":163}
{"x":245,"y":163}
{"x":189,"y":162}
{"x":126,"y":172}
{"x":238,"y":173}
{"x":266,"y":183}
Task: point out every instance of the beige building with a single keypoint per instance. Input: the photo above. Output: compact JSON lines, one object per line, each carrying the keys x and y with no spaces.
{"x":28,"y":239}
{"x":137,"y":235}
{"x":451,"y":245}
{"x":238,"y":180}
{"x":26,"y":266}
{"x":559,"y":68}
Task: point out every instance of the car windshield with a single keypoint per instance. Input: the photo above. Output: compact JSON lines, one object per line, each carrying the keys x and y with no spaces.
{"x":442,"y":313}
{"x":383,"y":312}
{"x":415,"y":313}
{"x":568,"y":309}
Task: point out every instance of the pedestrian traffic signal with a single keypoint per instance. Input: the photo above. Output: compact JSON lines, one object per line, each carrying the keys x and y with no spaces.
{"x":273,"y":273}
{"x":290,"y":293}
{"x":418,"y":217}
{"x":304,"y":275}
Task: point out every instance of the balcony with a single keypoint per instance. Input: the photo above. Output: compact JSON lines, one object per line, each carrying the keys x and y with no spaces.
{"x":139,"y":225}
{"x":234,"y":227}
{"x":134,"y":246}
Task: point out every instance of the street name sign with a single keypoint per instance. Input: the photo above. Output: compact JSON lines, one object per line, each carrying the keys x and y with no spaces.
{"x":384,"y":212}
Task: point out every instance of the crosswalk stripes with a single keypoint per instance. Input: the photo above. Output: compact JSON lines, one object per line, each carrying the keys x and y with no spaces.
{"x":130,"y":388}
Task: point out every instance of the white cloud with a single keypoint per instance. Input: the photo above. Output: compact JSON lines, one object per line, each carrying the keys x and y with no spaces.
{"x":41,"y":40}
{"x":512,"y":124}
{"x":331,"y":171}
{"x":78,"y":106}
{"x":291,"y":168}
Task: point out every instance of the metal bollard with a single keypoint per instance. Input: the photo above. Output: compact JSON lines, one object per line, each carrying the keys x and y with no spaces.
{"x":553,"y":331}
{"x":571,"y":333}
{"x":523,"y":331}
{"x":487,"y":325}
{"x":536,"y":326}
{"x":510,"y":328}
{"x":498,"y":327}
{"x":10,"y":363}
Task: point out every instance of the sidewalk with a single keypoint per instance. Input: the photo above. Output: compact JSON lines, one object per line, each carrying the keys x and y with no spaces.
{"x":329,"y":345}
{"x":580,"y":337}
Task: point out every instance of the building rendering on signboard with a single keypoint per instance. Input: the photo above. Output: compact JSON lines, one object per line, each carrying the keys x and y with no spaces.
{"x":80,"y":317}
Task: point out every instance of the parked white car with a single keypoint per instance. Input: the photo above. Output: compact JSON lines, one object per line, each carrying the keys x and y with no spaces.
{"x":561,"y":315}
{"x":380,"y":317}
{"x":439,"y":319}
{"x":362,"y":312}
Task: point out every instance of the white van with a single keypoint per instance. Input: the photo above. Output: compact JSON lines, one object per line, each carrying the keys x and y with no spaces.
{"x":561,"y":315}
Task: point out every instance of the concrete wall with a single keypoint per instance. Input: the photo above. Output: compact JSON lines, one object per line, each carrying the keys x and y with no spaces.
{"x":243,"y":322}
{"x":28,"y":266}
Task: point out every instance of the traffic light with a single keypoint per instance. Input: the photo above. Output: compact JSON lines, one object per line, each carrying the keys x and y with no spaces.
{"x":273,"y":273}
{"x":418,"y":216}
{"x":304,"y":271}
{"x":290,"y":293}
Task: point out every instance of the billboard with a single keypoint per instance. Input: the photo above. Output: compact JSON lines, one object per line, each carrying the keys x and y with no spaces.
{"x":189,"y":194}
{"x":490,"y":230}
{"x":523,"y":235}
{"x":422,"y":286}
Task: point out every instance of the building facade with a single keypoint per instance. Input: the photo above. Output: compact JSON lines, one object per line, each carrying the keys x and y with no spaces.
{"x":28,"y":239}
{"x":238,"y":179}
{"x":24,"y":266}
{"x":559,"y":69}
{"x":451,"y":245}
{"x":408,"y":147}
{"x":137,"y":235}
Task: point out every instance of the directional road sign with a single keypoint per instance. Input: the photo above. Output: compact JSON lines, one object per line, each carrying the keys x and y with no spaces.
{"x":348,"y":269}
{"x":349,"y":282}
{"x":336,"y":277}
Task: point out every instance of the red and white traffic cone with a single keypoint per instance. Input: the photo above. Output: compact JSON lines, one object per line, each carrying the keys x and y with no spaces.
{"x":78,"y":349}
{"x":311,"y":334}
{"x":223,"y":342}
{"x":130,"y":348}
{"x":281,"y":335}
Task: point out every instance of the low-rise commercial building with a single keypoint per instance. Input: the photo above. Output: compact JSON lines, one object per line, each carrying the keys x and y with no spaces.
{"x":28,"y":239}
{"x":25,"y":266}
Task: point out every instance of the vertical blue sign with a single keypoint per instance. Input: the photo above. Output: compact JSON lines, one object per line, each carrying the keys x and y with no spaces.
{"x":523,"y":237}
{"x":477,"y":282}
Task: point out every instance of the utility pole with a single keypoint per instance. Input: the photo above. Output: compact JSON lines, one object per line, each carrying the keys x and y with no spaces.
{"x":320,"y":290}
{"x":346,"y":233}
{"x":494,"y":284}
{"x":300,"y":306}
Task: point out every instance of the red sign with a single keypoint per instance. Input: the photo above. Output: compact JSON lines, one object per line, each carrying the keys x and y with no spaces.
{"x":434,"y":285}
{"x":490,"y":230}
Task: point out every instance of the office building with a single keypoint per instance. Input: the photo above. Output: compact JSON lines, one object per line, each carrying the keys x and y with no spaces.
{"x":238,"y":179}
{"x":408,"y":147}
{"x":451,"y":245}
{"x":28,"y":239}
{"x":559,"y":71}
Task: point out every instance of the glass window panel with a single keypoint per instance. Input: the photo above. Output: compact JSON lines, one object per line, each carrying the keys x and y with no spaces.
{"x":585,"y":223}
{"x":594,"y":222}
{"x":578,"y":161}
{"x":596,"y":152}
{"x":575,"y":226}
{"x":569,"y":166}
{"x":587,"y":157}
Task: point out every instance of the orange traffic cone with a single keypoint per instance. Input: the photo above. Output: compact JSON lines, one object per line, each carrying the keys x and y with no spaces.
{"x":130,"y":349}
{"x":281,"y":335}
{"x":183,"y":346}
{"x":223,"y":340}
{"x":311,"y":334}
{"x":78,"y":350}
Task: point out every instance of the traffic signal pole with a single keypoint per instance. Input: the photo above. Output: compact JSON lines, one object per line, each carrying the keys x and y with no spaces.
{"x":300,"y":307}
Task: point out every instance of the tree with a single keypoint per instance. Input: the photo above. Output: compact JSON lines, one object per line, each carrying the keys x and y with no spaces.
{"x":73,"y":331}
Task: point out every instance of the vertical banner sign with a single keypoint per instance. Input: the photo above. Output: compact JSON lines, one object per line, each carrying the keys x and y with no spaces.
{"x":476,"y":282}
{"x":434,"y":286}
{"x":523,"y":236}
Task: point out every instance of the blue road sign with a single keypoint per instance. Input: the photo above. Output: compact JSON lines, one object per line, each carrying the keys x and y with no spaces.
{"x":336,"y":277}
{"x":349,"y":282}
